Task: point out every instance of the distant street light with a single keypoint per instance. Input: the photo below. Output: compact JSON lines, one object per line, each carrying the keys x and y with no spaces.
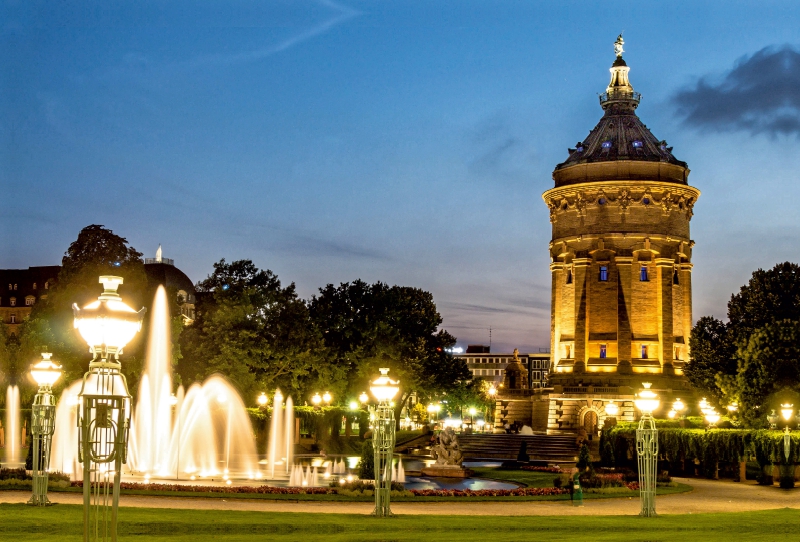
{"x":43,"y":416}
{"x":384,"y":390}
{"x":364,"y":398}
{"x":327,"y":398}
{"x":316,"y":399}
{"x":262,"y":400}
{"x":647,"y":449}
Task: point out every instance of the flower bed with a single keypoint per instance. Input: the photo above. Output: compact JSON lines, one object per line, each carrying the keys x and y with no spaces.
{"x":520,"y":492}
{"x":264,"y":490}
{"x":556,"y":470}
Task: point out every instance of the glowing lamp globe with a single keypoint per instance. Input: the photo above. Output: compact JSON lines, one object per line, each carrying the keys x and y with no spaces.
{"x":612,"y":409}
{"x":786,"y":411}
{"x":671,"y":414}
{"x":46,"y":372}
{"x":107,"y":324}
{"x":733,"y":407}
{"x":712,"y":417}
{"x":262,"y":399}
{"x":647,"y":400}
{"x":384,"y":388}
{"x":316,"y":399}
{"x":492,"y":391}
{"x":678,"y":405}
{"x":363,"y":398}
{"x":173,"y":400}
{"x":353,"y":405}
{"x":472,"y":411}
{"x":327,"y":397}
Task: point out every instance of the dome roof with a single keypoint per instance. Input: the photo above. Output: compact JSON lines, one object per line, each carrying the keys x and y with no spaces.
{"x":621,"y":136}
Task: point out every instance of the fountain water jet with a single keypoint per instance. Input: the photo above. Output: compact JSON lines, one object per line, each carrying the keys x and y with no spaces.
{"x":12,"y":427}
{"x":64,"y":454}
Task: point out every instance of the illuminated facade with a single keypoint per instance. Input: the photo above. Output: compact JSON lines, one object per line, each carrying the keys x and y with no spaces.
{"x":621,"y":297}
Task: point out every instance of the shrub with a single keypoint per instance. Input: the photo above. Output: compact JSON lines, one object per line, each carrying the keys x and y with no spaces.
{"x":584,"y":458}
{"x":366,"y":466}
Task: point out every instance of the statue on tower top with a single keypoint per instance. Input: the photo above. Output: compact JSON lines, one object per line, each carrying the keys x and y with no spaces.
{"x":618,"y":46}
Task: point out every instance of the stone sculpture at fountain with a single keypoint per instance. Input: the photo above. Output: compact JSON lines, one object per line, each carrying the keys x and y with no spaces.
{"x":448,"y":456}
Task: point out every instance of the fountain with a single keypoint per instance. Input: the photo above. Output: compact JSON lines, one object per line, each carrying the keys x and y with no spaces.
{"x":205,"y":432}
{"x":12,"y":429}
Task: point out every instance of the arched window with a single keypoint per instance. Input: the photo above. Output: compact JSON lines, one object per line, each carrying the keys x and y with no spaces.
{"x":13,"y":301}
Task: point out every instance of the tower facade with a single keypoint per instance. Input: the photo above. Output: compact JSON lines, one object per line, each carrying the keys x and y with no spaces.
{"x":621,"y":252}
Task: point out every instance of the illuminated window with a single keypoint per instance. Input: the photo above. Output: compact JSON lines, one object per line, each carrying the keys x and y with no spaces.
{"x":46,"y":285}
{"x":568,"y":351}
{"x":644,"y":351}
{"x":603,"y":273}
{"x":13,"y":301}
{"x":602,"y":351}
{"x":637,"y":144}
{"x":10,"y":286}
{"x":13,"y":318}
{"x":606,"y":144}
{"x":34,"y":285}
{"x":15,"y":286}
{"x":30,"y":300}
{"x":643,"y":273}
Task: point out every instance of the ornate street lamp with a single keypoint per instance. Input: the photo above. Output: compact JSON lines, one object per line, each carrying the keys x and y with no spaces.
{"x":327,"y":398}
{"x":262,"y":400}
{"x":363,"y":398}
{"x":612,"y":409}
{"x":43,"y":416}
{"x":384,"y":390}
{"x":104,"y":414}
{"x":317,"y":399}
{"x":647,"y":449}
{"x":787,"y":410}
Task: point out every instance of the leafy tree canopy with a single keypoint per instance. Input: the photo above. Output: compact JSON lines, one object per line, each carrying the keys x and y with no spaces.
{"x":769,"y":370}
{"x":97,"y":251}
{"x":748,"y":358}
{"x":250,"y":329}
{"x":368,"y":326}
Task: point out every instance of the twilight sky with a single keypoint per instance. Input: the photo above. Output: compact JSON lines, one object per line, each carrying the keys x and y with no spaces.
{"x":401,"y":141}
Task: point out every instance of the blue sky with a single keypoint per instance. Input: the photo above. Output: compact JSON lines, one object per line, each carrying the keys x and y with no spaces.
{"x":407,"y":142}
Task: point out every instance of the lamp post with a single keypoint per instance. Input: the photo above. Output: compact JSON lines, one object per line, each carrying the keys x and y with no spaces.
{"x":647,"y":449}
{"x":43,"y":416}
{"x":786,"y":413}
{"x":384,"y":390}
{"x":104,"y":414}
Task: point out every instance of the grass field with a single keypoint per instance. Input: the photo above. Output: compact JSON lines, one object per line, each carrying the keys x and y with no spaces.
{"x":21,"y":523}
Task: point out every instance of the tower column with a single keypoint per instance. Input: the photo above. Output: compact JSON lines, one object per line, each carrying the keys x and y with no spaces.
{"x":624,"y":314}
{"x":686,"y":290}
{"x":581,"y":266}
{"x":666,"y":338}
{"x":557,"y":274}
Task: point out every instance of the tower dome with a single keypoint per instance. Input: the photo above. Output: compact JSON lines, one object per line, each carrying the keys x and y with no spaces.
{"x":621,"y":249}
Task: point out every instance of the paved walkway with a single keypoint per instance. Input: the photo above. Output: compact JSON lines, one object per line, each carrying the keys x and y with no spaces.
{"x":707,"y":496}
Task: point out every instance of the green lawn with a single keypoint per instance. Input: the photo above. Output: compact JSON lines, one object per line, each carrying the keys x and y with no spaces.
{"x":64,"y":523}
{"x":526,"y":477}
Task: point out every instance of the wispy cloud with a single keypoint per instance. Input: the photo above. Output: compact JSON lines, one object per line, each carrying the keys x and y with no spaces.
{"x":760,"y":94}
{"x":341,"y":14}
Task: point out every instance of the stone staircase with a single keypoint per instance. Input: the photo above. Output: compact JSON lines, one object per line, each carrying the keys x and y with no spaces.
{"x":551,"y":448}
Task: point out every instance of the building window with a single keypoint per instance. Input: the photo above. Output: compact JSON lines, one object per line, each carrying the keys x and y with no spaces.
{"x":497,"y":372}
{"x":569,"y":277}
{"x":643,"y":273}
{"x":13,"y":318}
{"x":15,"y":286}
{"x":603,"y":351}
{"x":606,"y":144}
{"x":675,"y":279}
{"x":568,"y":351}
{"x":676,"y":355}
{"x":13,"y":301}
{"x":10,"y":286}
{"x":603,"y":273}
{"x":30,"y":300}
{"x":34,"y":285}
{"x":637,"y":144}
{"x":46,"y":285}
{"x":644,"y":351}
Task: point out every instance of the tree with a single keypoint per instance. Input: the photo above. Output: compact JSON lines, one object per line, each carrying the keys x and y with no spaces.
{"x":97,"y":251}
{"x":717,"y":348}
{"x":713,"y":354}
{"x":365,"y":327}
{"x":769,"y":370}
{"x":252,"y":330}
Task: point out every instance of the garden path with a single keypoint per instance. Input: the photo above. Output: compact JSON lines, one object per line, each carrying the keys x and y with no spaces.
{"x":708,"y":496}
